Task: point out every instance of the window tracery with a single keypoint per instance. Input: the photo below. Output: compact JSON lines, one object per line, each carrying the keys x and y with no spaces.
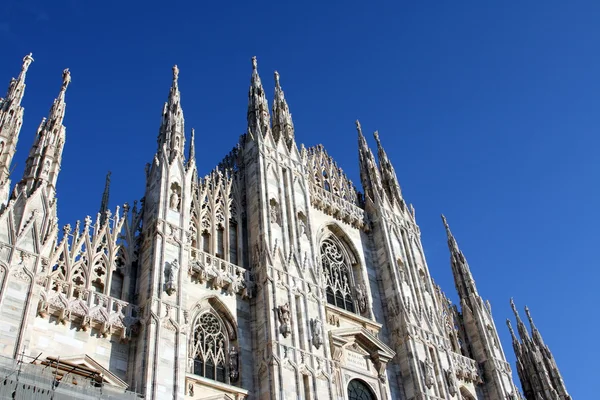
{"x":214,"y":357}
{"x":336,"y":269}
{"x":358,"y":390}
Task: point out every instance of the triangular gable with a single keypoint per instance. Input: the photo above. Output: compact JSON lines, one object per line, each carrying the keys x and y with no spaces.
{"x":88,"y":362}
{"x":379,"y":351}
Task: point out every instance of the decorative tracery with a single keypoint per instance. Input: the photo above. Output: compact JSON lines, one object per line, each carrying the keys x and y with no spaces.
{"x":337,"y":272}
{"x":358,"y":390}
{"x":210,"y":347}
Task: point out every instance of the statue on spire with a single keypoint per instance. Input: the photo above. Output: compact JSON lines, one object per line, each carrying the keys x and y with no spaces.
{"x":254,"y":63}
{"x":175,"y":73}
{"x":66,"y":76}
{"x":27,"y":60}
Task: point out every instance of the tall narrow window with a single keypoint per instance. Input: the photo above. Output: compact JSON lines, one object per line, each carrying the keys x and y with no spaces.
{"x":210,"y":348}
{"x":233,"y":243}
{"x":206,"y":242}
{"x":220,"y":242}
{"x":336,"y":269}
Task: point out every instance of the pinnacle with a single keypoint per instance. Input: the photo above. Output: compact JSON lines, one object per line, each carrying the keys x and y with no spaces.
{"x":27,"y":60}
{"x":175,"y":73}
{"x":277,"y":79}
{"x":66,"y":79}
{"x":254,"y":63}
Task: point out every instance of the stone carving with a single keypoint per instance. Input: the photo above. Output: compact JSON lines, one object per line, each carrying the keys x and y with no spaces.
{"x":361,"y":298}
{"x":428,"y":370}
{"x":233,"y":364}
{"x":174,"y":200}
{"x":283,"y":313}
{"x":191,"y":389}
{"x":452,"y":389}
{"x":171,"y":275}
{"x":316,"y":328}
{"x":274,"y":211}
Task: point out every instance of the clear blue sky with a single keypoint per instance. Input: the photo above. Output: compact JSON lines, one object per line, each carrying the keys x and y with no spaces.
{"x":488,"y":112}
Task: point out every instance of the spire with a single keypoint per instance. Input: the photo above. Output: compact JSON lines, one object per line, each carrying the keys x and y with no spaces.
{"x":104,"y":202}
{"x":282,"y":118}
{"x":43,"y":163}
{"x":463,"y":279}
{"x":520,"y":325}
{"x":171,"y":133}
{"x":11,"y":120}
{"x":369,"y":174}
{"x":16,"y":88}
{"x":388,"y":174}
{"x":192,"y":154}
{"x":259,"y":121}
{"x":512,"y":333}
{"x":539,"y":374}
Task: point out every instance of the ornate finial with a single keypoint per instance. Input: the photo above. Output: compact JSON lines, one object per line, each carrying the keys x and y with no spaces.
{"x":27,"y":60}
{"x":376,"y":135}
{"x":529,"y":317}
{"x":510,"y":328}
{"x":192,"y":154}
{"x":276,"y":79}
{"x":514,"y":308}
{"x":358,"y":127}
{"x":254,"y":63}
{"x":66,"y":79}
{"x":175,"y":73}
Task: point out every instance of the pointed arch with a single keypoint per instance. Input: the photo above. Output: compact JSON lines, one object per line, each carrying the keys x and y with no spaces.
{"x":359,"y":390}
{"x":340,"y":266}
{"x":213,"y":350}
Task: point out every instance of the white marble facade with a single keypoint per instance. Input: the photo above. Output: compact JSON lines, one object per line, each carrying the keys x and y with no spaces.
{"x":271,"y":277}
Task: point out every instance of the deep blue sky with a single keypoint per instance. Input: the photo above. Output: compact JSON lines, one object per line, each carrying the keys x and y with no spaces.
{"x":488,"y":112}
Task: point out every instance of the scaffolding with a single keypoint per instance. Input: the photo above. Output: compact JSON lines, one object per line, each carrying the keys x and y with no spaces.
{"x":30,"y":378}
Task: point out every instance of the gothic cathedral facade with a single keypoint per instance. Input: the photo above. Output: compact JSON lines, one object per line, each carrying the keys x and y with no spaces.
{"x":271,"y":277}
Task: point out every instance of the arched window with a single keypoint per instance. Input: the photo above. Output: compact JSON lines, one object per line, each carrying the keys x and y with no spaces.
{"x":337,"y":271}
{"x":358,"y":390}
{"x":210,"y":348}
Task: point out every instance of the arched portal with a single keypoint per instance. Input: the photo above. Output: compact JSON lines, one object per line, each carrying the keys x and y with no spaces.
{"x":359,"y":390}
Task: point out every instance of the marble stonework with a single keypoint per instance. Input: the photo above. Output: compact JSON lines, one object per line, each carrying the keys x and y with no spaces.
{"x":270,"y":277}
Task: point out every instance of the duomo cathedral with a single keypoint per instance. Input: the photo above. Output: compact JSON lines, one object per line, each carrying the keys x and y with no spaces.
{"x":269,"y":277}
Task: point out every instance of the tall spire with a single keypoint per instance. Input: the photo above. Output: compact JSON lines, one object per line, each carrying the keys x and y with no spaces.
{"x":520,"y":325}
{"x":539,"y":374}
{"x":369,"y":174}
{"x":259,"y":121}
{"x":192,"y":154}
{"x":171,"y":133}
{"x":16,"y":88}
{"x":463,"y":279}
{"x":388,"y":174}
{"x":43,"y":163}
{"x":104,"y":202}
{"x":282,"y":118}
{"x":11,"y":120}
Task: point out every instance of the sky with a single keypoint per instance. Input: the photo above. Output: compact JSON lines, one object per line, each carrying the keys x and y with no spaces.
{"x":488,"y":111}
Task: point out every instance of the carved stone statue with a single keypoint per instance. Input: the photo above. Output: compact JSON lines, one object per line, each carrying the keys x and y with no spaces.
{"x":283,"y":312}
{"x":233,"y":364}
{"x":171,"y":275}
{"x":301,"y":226}
{"x":274,"y":211}
{"x":428,"y":367}
{"x":361,"y":297}
{"x":316,"y":328}
{"x":174,"y":200}
{"x":451,"y":382}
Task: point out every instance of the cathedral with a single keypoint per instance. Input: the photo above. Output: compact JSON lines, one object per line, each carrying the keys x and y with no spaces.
{"x":270,"y":277}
